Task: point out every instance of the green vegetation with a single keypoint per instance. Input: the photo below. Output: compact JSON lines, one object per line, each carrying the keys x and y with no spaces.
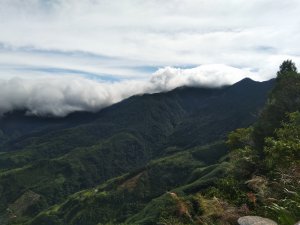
{"x":55,"y":158}
{"x":265,"y":158}
{"x":165,"y":163}
{"x":129,"y":199}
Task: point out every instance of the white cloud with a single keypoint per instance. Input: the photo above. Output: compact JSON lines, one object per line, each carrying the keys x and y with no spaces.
{"x":59,"y":96}
{"x":214,"y":75}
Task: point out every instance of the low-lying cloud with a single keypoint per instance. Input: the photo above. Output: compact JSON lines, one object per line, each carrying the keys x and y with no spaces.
{"x":61,"y":95}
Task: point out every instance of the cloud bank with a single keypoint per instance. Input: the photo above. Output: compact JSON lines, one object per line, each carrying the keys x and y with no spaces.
{"x":59,"y":96}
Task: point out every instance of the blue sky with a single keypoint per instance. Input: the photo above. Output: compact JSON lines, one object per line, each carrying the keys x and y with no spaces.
{"x":177,"y":42}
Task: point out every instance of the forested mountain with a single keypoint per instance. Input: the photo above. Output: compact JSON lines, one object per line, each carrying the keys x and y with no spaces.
{"x":183,"y":101}
{"x":125,"y":159}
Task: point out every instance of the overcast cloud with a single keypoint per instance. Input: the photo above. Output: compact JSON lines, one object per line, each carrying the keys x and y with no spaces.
{"x":87,"y":54}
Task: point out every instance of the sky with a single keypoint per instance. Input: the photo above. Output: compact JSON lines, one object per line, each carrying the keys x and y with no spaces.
{"x":60,"y":56}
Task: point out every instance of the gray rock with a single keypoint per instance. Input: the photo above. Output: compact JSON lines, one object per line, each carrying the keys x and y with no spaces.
{"x":298,"y":223}
{"x":255,"y":220}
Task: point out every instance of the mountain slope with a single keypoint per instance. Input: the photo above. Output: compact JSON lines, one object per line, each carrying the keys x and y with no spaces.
{"x":55,"y":161}
{"x":122,"y":200}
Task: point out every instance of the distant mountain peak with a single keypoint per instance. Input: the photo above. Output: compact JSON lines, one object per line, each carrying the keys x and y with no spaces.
{"x":246,"y":80}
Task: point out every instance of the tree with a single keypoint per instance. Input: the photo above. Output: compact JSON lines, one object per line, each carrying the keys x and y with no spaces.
{"x":284,"y":149}
{"x":287,"y":67}
{"x":240,"y":138}
{"x":283,"y":99}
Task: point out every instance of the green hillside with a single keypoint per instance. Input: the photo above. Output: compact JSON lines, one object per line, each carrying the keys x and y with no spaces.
{"x":155,"y":140}
{"x":256,"y":172}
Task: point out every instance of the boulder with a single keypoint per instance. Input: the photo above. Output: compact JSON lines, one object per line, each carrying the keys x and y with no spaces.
{"x":255,"y":220}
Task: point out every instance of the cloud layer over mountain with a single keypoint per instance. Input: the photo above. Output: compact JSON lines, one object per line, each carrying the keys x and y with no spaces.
{"x":58,"y":96}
